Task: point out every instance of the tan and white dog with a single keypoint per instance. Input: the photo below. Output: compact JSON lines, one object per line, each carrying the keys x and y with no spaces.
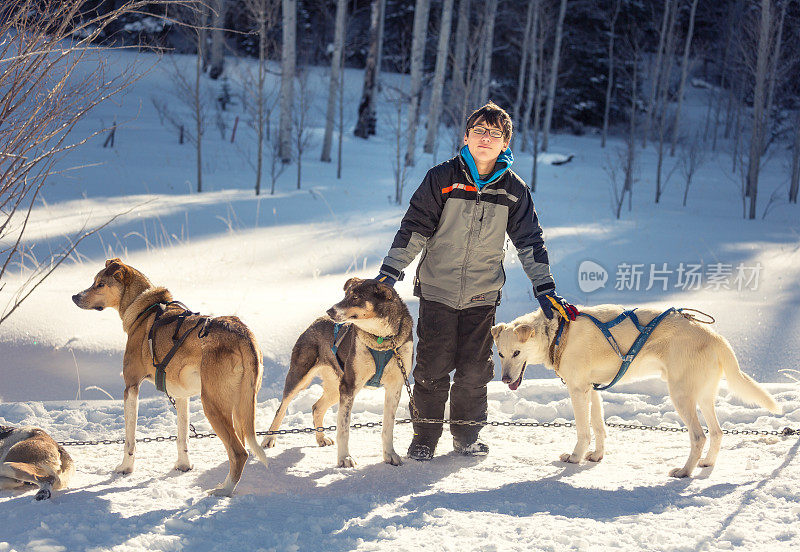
{"x":29,"y":456}
{"x":689,"y":356}
{"x":380,"y":320}
{"x":223,"y":366}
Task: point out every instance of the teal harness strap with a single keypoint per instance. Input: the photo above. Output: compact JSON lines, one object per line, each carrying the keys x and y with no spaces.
{"x":644,"y":334}
{"x":380,"y":358}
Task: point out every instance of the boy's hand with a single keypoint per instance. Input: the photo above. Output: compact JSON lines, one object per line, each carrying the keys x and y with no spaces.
{"x":551,"y":302}
{"x":386,"y":279}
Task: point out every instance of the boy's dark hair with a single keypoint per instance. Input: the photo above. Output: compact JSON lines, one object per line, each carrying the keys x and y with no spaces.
{"x":494,"y":115}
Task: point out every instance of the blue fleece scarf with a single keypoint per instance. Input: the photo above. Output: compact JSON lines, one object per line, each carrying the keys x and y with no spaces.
{"x":505,"y":159}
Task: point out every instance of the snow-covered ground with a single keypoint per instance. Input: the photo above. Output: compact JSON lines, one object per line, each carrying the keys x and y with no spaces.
{"x":279,"y":261}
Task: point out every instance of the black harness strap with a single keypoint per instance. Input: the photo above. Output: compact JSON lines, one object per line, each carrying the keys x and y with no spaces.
{"x":177,"y":337}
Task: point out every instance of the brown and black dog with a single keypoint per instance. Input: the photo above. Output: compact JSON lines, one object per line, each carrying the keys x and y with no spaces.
{"x":380,"y":321}
{"x":29,"y":456}
{"x":222,"y":363}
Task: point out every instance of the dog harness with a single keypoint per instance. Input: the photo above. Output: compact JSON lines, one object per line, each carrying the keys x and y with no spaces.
{"x":380,"y":358}
{"x":177,"y":338}
{"x":605,"y":327}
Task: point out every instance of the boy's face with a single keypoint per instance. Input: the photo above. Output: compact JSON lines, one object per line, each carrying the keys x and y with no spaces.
{"x":484,"y":148}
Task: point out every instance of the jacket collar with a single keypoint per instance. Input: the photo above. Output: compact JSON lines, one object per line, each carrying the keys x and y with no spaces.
{"x":503,"y":163}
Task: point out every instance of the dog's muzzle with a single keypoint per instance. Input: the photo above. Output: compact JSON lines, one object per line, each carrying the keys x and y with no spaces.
{"x":514,"y":384}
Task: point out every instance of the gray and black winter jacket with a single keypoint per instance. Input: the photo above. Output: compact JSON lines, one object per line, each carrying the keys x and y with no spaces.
{"x":461,"y":228}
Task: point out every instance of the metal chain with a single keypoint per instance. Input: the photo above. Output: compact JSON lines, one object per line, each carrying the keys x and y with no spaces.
{"x":412,"y":406}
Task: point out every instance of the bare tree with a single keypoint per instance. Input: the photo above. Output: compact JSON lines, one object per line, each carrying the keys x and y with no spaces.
{"x":794,"y":183}
{"x":334,"y":85}
{"x":421,"y":11}
{"x":438,"y":76}
{"x":684,"y":72}
{"x":216,"y":60}
{"x":487,"y":32}
{"x":662,"y":100}
{"x":616,"y":4}
{"x":288,"y":61}
{"x":534,"y":87}
{"x":523,"y":67}
{"x":301,"y":133}
{"x":367,"y":118}
{"x":54,"y":72}
{"x":551,"y":87}
{"x":693,"y":155}
{"x":259,"y":100}
{"x":398,"y":99}
{"x":656,"y":74}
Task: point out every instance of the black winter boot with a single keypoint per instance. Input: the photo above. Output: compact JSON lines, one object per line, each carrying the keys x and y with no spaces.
{"x":421,"y":449}
{"x":475,"y":448}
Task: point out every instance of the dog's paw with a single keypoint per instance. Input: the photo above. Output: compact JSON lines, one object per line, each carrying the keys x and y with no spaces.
{"x":124,"y":468}
{"x":392,"y":458}
{"x":705,"y":463}
{"x":324,"y":441}
{"x":220,"y":490}
{"x":43,"y":494}
{"x":571,"y":458}
{"x":679,"y":472}
{"x":347,"y":462}
{"x":594,"y":456}
{"x":183,"y":466}
{"x":269,"y":442}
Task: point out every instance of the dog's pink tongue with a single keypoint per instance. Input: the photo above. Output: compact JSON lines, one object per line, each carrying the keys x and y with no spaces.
{"x":513,"y":386}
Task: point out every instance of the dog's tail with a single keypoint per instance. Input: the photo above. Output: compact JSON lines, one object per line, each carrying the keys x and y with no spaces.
{"x":245,"y":410}
{"x":742,"y":385}
{"x":64,"y":476}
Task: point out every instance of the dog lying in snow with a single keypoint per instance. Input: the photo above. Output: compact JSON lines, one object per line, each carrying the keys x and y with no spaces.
{"x":220,"y":361}
{"x":689,"y":356}
{"x":380,"y":321}
{"x":29,"y":456}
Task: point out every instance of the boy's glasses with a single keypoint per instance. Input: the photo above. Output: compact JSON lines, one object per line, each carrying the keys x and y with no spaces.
{"x":493,"y":132}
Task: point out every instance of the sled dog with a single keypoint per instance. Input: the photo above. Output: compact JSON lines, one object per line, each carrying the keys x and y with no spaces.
{"x":689,"y":356}
{"x":379,"y":320}
{"x":29,"y":456}
{"x":219,"y":360}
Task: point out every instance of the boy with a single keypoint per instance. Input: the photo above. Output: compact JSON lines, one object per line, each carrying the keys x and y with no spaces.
{"x":459,"y":217}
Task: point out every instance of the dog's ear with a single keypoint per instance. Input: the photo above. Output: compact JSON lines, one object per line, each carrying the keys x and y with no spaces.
{"x":524,"y":332}
{"x":496,"y":330}
{"x":384,"y":292}
{"x":352,"y":282}
{"x":115,"y":269}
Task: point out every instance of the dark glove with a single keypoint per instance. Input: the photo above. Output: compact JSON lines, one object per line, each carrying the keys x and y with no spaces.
{"x":386,"y":279}
{"x":551,"y":302}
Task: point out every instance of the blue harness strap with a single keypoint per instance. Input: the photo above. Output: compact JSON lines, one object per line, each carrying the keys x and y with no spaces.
{"x":644,"y":334}
{"x":380,"y":358}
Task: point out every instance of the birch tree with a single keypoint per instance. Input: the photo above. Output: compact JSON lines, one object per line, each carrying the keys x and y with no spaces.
{"x":515,"y":110}
{"x":794,"y":183}
{"x":458,"y":85}
{"x":534,"y":87}
{"x":442,"y":50}
{"x":616,"y":4}
{"x":217,"y":58}
{"x":288,"y":62}
{"x":551,"y":87}
{"x":367,"y":119}
{"x":420,"y":31}
{"x":663,"y":97}
{"x":333,"y":88}
{"x":489,"y":16}
{"x":655,"y":74}
{"x":684,"y":73}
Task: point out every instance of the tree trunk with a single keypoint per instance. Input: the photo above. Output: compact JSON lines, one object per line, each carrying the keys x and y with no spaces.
{"x":684,"y":73}
{"x":438,"y":75}
{"x":458,"y":85}
{"x":333,"y":87}
{"x":795,"y":181}
{"x":610,"y":79}
{"x":523,"y":67}
{"x":217,"y":62}
{"x":656,"y":77}
{"x":533,"y":74}
{"x":537,"y":102}
{"x":262,"y":77}
{"x":773,"y":72}
{"x":288,"y":61}
{"x":198,"y":118}
{"x":490,"y":14}
{"x":551,"y":87}
{"x":420,"y":33}
{"x":756,"y":138}
{"x":367,"y":118}
{"x":663,"y":97}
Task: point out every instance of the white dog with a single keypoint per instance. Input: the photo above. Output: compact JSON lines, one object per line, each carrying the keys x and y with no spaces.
{"x":689,"y":356}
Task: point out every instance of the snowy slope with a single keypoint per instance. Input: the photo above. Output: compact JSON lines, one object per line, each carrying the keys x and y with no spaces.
{"x":279,"y":261}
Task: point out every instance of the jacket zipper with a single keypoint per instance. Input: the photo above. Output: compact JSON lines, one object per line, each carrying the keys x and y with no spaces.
{"x":466,"y":255}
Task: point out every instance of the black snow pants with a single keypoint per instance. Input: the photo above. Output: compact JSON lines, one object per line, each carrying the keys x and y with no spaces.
{"x":451,"y":339}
